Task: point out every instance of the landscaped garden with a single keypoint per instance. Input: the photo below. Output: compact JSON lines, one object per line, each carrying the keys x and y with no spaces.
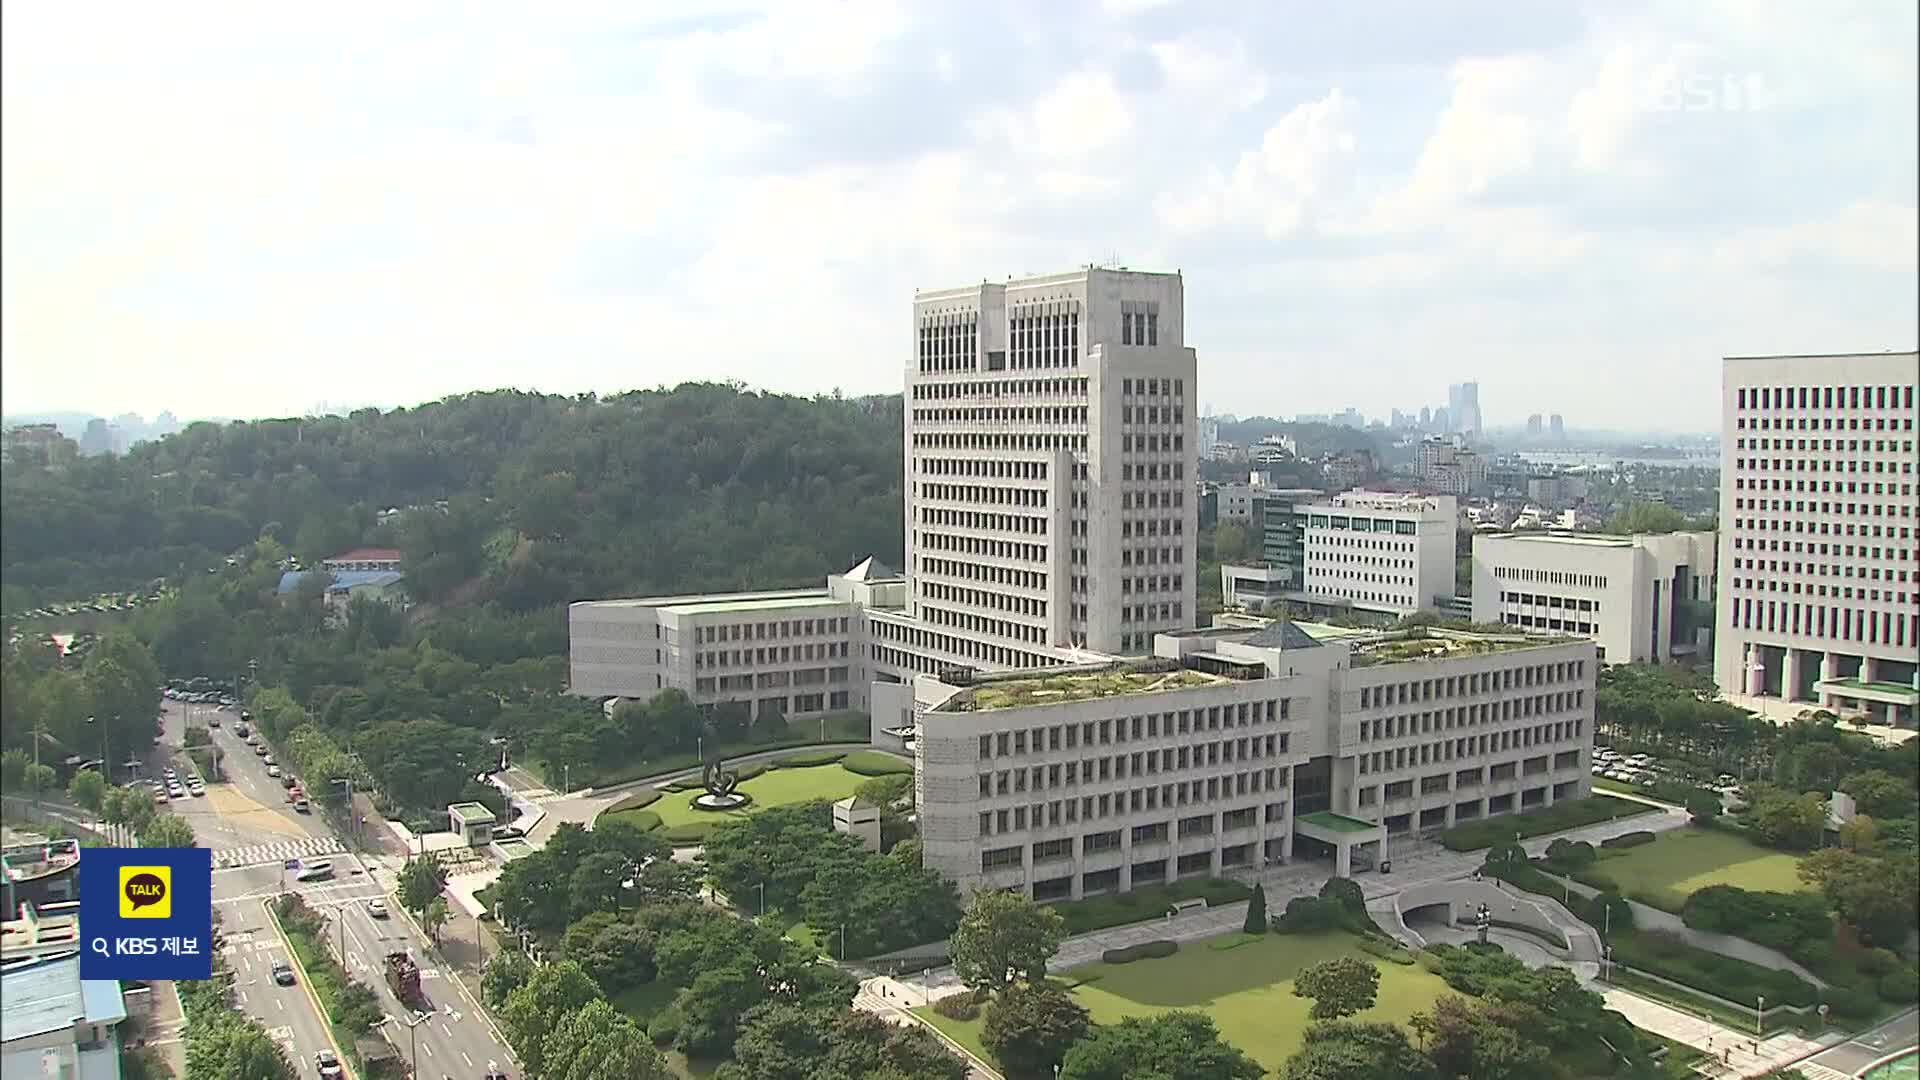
{"x":1680,"y":862}
{"x":1572,"y":814}
{"x":1245,"y":988}
{"x":804,"y":777}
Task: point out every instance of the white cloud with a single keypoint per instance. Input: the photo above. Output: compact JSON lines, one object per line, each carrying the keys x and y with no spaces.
{"x":1299,"y":160}
{"x":1871,"y":233}
{"x":1217,"y":75}
{"x":1083,"y":113}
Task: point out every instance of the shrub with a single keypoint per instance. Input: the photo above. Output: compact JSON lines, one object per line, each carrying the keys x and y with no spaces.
{"x":683,"y":835}
{"x":874,"y":763}
{"x":690,"y":783}
{"x":644,"y":820}
{"x":1849,"y":1003}
{"x":1730,"y":978}
{"x":665,"y":1026}
{"x":1144,"y":951}
{"x":1568,"y":855}
{"x":1878,"y":962}
{"x":1797,"y":924}
{"x":1628,"y":840}
{"x":1486,"y":832}
{"x":809,"y":758}
{"x":1391,"y":951}
{"x":1146,"y":902}
{"x":958,"y":1007}
{"x":1428,"y":962}
{"x":1900,"y":987}
{"x":644,"y":797}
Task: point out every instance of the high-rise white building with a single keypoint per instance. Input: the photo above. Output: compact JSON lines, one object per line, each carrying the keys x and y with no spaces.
{"x":1820,"y":546}
{"x":1051,"y":449}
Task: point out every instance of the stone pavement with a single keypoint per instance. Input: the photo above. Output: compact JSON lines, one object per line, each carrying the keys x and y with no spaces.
{"x":1735,"y":1053}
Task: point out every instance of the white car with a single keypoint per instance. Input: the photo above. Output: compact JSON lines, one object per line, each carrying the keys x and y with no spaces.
{"x":273,"y":770}
{"x":377,"y":908}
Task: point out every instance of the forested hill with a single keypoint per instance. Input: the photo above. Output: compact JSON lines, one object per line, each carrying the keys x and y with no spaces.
{"x":522,"y":499}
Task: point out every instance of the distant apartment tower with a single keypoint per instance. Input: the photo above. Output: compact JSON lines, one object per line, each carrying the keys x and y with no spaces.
{"x":1379,"y":551}
{"x":1051,"y":446}
{"x":1556,"y":426}
{"x":1643,"y":599}
{"x":1533,"y":425}
{"x":1447,"y":467}
{"x":1820,"y":548}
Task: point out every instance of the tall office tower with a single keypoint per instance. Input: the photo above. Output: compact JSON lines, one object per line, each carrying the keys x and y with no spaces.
{"x":1819,"y":546}
{"x":1533,"y":424}
{"x":1051,"y":453}
{"x":1556,"y":426}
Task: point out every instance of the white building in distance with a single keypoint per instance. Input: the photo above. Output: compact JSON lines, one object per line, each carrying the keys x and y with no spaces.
{"x":1819,"y":542}
{"x":1231,"y":747}
{"x":1642,"y":599}
{"x":1379,"y":551}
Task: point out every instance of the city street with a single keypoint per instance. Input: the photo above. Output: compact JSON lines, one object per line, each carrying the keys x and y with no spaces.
{"x":253,"y":826}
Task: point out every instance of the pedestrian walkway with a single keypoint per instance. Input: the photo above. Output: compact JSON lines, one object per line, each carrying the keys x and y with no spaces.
{"x":1731,"y":1053}
{"x":279,"y":851}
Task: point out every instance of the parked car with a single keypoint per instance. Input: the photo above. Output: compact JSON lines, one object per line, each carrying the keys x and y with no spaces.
{"x":328,"y":1065}
{"x":273,"y":770}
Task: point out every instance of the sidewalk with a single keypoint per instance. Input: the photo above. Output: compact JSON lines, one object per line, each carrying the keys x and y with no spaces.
{"x":1737,"y":1053}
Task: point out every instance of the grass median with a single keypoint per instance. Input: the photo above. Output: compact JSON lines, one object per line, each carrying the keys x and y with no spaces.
{"x":350,"y":1008}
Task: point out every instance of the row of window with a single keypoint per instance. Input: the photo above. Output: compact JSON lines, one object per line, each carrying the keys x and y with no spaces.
{"x":1823,"y":621}
{"x":1571,"y":603}
{"x":1359,"y":524}
{"x":1018,"y":741}
{"x":1004,"y":576}
{"x":921,"y":640}
{"x":969,"y":519}
{"x":1055,"y":813}
{"x":1825,"y":397}
{"x":1549,"y":577}
{"x":1153,"y":387}
{"x":1551,"y":623}
{"x":1072,"y":388}
{"x":1478,"y":682}
{"x":1139,"y":322}
{"x":762,"y":631}
{"x":1434,"y":752}
{"x":1837,"y":592}
{"x":1457,"y":717}
{"x":1074,"y":415}
{"x":784,"y":654}
{"x":1862,"y":446}
{"x":1209,"y":755}
{"x":981,"y":624}
{"x":980,"y":545}
{"x":985,"y":495}
{"x":1852,"y":423}
{"x":990,"y":599}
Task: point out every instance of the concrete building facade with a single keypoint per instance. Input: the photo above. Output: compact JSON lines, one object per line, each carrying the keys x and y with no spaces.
{"x":1379,"y":551}
{"x":1050,"y":452}
{"x":1233,"y":747}
{"x":1819,"y":539}
{"x":1642,"y":599}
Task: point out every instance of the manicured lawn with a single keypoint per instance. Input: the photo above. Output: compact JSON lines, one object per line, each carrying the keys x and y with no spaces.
{"x":1684,"y":861}
{"x":775,"y":787}
{"x":1247,"y":991}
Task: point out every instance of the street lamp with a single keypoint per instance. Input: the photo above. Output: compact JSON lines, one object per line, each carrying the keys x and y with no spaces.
{"x":414,"y":1020}
{"x":763,"y":898}
{"x":106,"y":760}
{"x":1760,"y":1014}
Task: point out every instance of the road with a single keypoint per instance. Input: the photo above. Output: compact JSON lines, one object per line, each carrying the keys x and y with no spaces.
{"x":254,"y":831}
{"x":1864,"y":1049}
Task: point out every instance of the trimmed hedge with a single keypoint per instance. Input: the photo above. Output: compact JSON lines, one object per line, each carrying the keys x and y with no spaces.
{"x":1730,"y":978}
{"x":1561,"y":816}
{"x":874,"y":763}
{"x":684,"y":835}
{"x":958,"y":1007}
{"x":1390,"y":951}
{"x":1144,"y":951}
{"x":809,"y":758}
{"x":1146,"y":902}
{"x":644,"y":820}
{"x":1797,"y":924}
{"x":1628,"y":840}
{"x":684,"y":784}
{"x":643,"y":797}
{"x":1849,"y":1003}
{"x":1900,"y":987}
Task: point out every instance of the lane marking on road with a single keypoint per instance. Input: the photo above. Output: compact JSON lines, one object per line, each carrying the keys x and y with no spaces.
{"x":465,"y":1058}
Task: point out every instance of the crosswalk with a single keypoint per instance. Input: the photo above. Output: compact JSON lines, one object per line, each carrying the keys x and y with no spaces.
{"x":279,"y":851}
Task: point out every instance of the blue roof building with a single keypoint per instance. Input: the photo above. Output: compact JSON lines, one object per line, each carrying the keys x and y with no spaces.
{"x":57,"y":1024}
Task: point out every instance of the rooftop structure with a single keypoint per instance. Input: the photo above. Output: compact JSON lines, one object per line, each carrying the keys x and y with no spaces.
{"x":39,"y":873}
{"x":55,"y":1024}
{"x":1019,"y":689}
{"x":39,"y":933}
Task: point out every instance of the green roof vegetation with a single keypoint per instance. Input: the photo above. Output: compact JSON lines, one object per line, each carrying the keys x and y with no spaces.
{"x":1419,"y":645}
{"x":1053,"y":689}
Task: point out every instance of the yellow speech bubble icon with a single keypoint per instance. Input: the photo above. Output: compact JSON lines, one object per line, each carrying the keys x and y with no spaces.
{"x":146,"y":892}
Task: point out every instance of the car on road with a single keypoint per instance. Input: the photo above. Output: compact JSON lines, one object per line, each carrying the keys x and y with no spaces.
{"x":283,"y":973}
{"x":328,"y":1065}
{"x":273,"y":770}
{"x":213,"y":721}
{"x":377,"y":908}
{"x":493,"y":1073}
{"x":260,"y":749}
{"x":315,"y":871}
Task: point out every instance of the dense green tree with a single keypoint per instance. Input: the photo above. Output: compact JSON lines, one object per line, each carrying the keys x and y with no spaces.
{"x":87,"y":788}
{"x":507,"y":971}
{"x":167,"y":830}
{"x":1465,"y":1041}
{"x":1880,"y":794}
{"x":1256,"y":921}
{"x":224,"y":1046}
{"x":615,"y":950}
{"x":596,"y":1042}
{"x":1179,"y":1045}
{"x":1030,"y":1027}
{"x":1338,"y":987}
{"x":421,"y":880}
{"x":536,"y":1009}
{"x":1345,"y":1050}
{"x":1877,"y":895}
{"x":1004,"y":936}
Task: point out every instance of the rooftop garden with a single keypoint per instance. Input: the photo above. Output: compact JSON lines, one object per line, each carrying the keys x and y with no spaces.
{"x":1077,"y":686}
{"x":1419,"y":644}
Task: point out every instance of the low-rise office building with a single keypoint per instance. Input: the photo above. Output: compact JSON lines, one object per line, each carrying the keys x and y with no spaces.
{"x":1237,"y":746}
{"x":1379,"y":551}
{"x":58,"y":1025}
{"x":1644,"y":598}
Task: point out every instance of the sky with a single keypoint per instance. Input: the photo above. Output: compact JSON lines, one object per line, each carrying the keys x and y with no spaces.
{"x":242,"y":209}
